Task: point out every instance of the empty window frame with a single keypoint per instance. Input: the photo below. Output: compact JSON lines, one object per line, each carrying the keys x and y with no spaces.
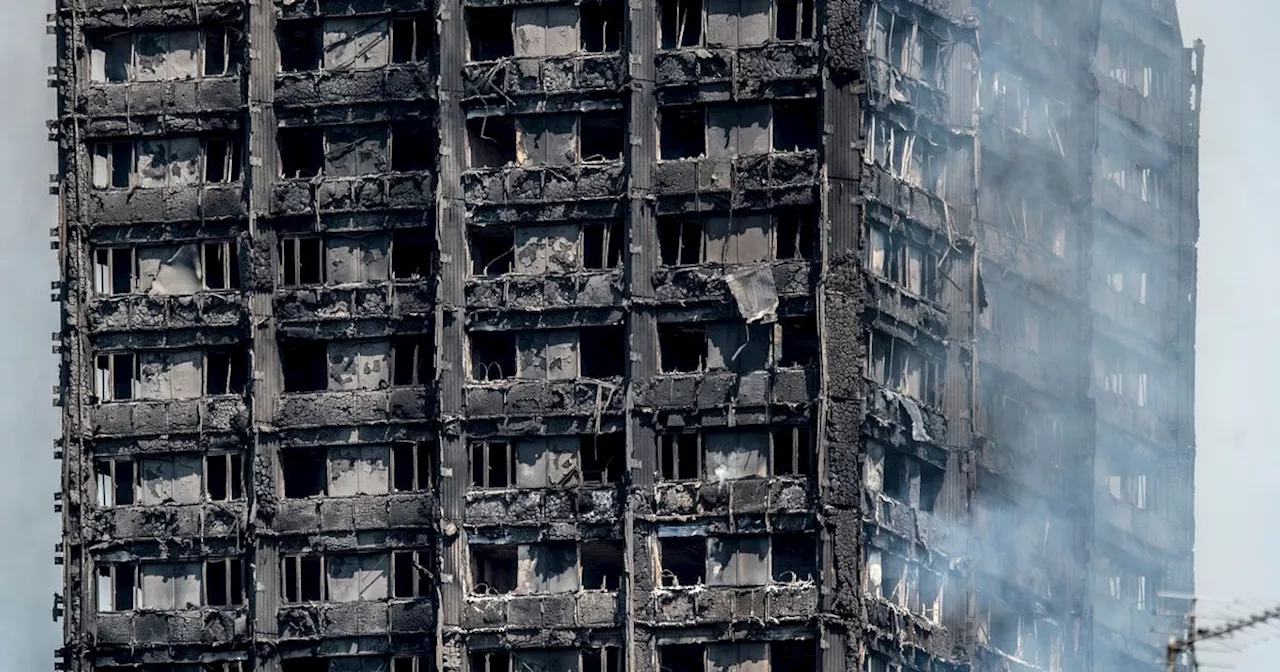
{"x":569,"y":139}
{"x":1130,"y":488}
{"x":412,"y":466}
{"x":682,"y":561}
{"x":682,"y":132}
{"x":602,"y":244}
{"x":303,"y":578}
{"x":412,"y":146}
{"x":902,"y":476}
{"x":224,"y":582}
{"x":491,"y":141}
{"x":412,"y":254}
{"x":903,"y":582}
{"x":679,"y":23}
{"x":493,"y":569}
{"x":490,"y":33}
{"x":680,"y":456}
{"x":901,"y":366}
{"x":118,"y":587}
{"x":412,"y":361}
{"x":302,"y":151}
{"x":738,"y":347}
{"x":902,"y":261}
{"x":166,"y":162}
{"x":744,"y":238}
{"x":336,"y":471}
{"x":355,"y":150}
{"x":602,"y":564}
{"x":731,"y":455}
{"x":224,"y":477}
{"x":1016,"y":105}
{"x":214,"y":51}
{"x":600,"y":25}
{"x":302,"y":260}
{"x":116,"y":481}
{"x":116,"y":377}
{"x":493,"y":464}
{"x":800,"y":345}
{"x":492,"y":354}
{"x":543,"y":249}
{"x":304,"y":365}
{"x":792,"y":451}
{"x":115,"y":270}
{"x":411,"y":38}
{"x":794,"y":20}
{"x":338,"y":259}
{"x":1135,"y":65}
{"x":902,"y":43}
{"x":602,"y":458}
{"x":343,"y":577}
{"x":906,"y":155}
{"x":226,"y":372}
{"x":410,"y":574}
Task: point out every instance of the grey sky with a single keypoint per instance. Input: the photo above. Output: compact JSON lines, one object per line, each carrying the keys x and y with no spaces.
{"x":1239,"y":463}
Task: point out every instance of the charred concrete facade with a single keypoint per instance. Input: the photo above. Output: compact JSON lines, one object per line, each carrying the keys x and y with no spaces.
{"x":683,"y":335}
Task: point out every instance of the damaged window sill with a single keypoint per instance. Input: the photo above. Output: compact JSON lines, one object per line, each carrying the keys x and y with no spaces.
{"x":588,"y":71}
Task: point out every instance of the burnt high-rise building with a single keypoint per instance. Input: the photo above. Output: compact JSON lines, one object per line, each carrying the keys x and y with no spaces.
{"x":660,"y":335}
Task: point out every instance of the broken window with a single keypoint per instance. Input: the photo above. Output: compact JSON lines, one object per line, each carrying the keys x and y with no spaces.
{"x":1135,"y":65}
{"x":115,"y":270}
{"x":793,"y":655}
{"x":682,"y":658}
{"x":683,"y":560}
{"x":800,"y":343}
{"x":305,"y":472}
{"x":1016,"y":104}
{"x":680,"y":240}
{"x":414,"y":664}
{"x":226,"y":372}
{"x":411,"y":146}
{"x":930,"y":590}
{"x":492,"y":250}
{"x":303,"y":578}
{"x":362,"y":149}
{"x":412,"y":361}
{"x":493,"y":355}
{"x":170,"y":479}
{"x":795,"y":233}
{"x":792,"y":451}
{"x":412,"y":466}
{"x":300,"y":45}
{"x":302,"y":151}
{"x":680,"y":457}
{"x":358,"y":470}
{"x":410,"y":576}
{"x":301,"y":260}
{"x":224,"y":582}
{"x":359,"y":365}
{"x":682,"y":133}
{"x":902,"y":43}
{"x":795,"y":125}
{"x":602,"y":244}
{"x":794,"y":557}
{"x":680,"y":23}
{"x":304,"y":365}
{"x":601,"y":25}
{"x":1129,"y":488}
{"x":493,"y":569}
{"x":154,"y":56}
{"x":490,"y":34}
{"x":490,"y":661}
{"x":901,"y":366}
{"x":118,"y":588}
{"x":602,"y":457}
{"x":603,"y":351}
{"x":907,"y":156}
{"x":547,"y":462}
{"x":902,"y":476}
{"x":552,"y":248}
{"x":116,"y":377}
{"x":602,"y":565}
{"x":606,"y":659}
{"x":794,"y":20}
{"x":411,"y":254}
{"x":220,"y":265}
{"x":356,"y":43}
{"x":738,"y":561}
{"x":493,"y":464}
{"x":411,"y":38}
{"x":222,"y":160}
{"x":491,"y":142}
{"x":733,"y":455}
{"x":739,"y":239}
{"x":601,"y":136}
{"x":224,"y":477}
{"x":683,"y":347}
{"x":113,"y":164}
{"x":116,"y":481}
